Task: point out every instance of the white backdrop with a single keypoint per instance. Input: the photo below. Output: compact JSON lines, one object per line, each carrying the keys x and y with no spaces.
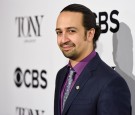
{"x":28,"y":42}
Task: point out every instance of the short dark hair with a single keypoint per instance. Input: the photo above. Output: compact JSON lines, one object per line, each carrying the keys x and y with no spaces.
{"x":89,"y":19}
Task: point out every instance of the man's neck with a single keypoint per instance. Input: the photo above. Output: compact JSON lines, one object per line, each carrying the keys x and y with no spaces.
{"x":73,"y":62}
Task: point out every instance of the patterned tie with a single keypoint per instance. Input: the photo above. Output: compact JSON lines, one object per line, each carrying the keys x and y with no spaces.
{"x":68,"y":85}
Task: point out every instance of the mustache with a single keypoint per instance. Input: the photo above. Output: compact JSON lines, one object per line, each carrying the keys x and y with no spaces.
{"x":67,"y":43}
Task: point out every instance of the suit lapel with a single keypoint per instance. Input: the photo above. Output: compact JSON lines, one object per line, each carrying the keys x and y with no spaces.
{"x":83,"y":78}
{"x":61,"y":78}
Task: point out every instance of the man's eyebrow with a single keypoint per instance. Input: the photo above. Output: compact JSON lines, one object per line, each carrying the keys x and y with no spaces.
{"x":71,"y":28}
{"x":66,"y":28}
{"x":57,"y":29}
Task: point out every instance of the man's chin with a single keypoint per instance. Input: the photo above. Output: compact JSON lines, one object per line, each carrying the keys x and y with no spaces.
{"x":67,"y":55}
{"x":70,"y":56}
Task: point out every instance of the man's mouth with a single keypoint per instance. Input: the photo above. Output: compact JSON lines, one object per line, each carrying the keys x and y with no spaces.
{"x":67,"y":47}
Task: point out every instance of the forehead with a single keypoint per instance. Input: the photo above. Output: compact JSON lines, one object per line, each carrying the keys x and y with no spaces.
{"x":67,"y":19}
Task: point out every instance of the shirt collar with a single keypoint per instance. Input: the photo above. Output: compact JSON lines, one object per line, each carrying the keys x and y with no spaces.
{"x":80,"y":66}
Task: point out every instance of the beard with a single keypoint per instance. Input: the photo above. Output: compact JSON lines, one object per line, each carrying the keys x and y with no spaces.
{"x":72,"y":53}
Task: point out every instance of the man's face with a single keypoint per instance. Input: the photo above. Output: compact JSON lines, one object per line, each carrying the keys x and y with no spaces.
{"x":72,"y":37}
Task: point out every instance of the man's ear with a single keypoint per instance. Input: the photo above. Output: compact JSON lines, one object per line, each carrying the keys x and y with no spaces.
{"x":90,"y":34}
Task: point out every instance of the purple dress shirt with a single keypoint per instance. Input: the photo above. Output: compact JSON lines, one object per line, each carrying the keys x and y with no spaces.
{"x":78,"y":69}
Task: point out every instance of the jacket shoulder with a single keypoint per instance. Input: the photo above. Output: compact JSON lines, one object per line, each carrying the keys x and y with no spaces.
{"x":103,"y":72}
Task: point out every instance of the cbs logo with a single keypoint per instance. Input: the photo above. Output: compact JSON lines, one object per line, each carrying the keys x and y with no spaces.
{"x":30,"y":78}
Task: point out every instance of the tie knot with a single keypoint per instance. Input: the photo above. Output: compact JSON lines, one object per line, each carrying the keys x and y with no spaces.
{"x":71,"y":72}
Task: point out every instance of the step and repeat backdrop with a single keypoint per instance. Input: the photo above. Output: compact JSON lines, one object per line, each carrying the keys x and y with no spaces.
{"x":30,"y":57}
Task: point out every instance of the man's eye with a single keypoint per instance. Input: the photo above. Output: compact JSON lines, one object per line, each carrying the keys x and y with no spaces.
{"x":72,"y":31}
{"x":58,"y":32}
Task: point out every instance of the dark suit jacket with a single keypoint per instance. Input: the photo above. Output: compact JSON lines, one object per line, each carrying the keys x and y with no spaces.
{"x":102,"y":92}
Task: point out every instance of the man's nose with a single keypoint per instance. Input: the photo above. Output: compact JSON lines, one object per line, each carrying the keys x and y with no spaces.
{"x":65,"y":38}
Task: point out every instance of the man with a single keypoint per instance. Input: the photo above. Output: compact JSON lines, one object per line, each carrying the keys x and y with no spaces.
{"x":95,"y":88}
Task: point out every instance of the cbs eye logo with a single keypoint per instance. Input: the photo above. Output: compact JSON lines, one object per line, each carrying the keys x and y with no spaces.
{"x":18,"y":78}
{"x":30,"y":78}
